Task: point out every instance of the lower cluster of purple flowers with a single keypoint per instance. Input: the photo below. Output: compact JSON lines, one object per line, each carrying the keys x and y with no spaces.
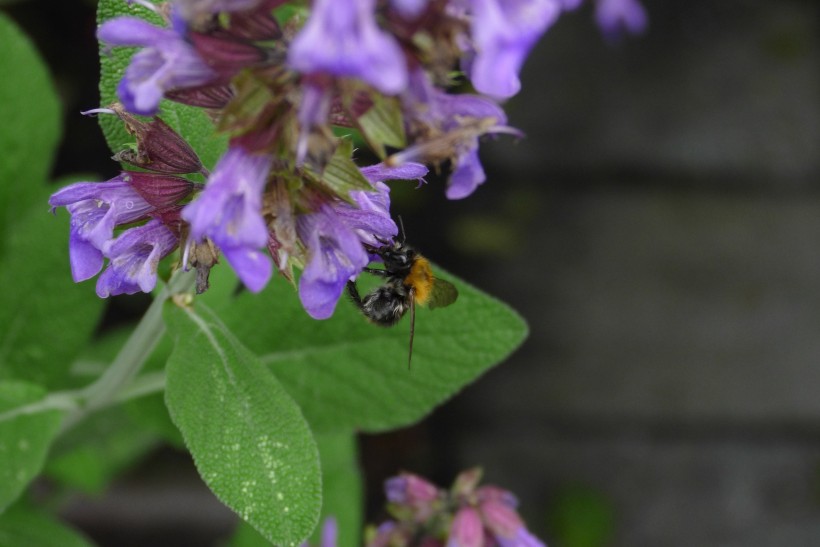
{"x":466,"y":515}
{"x":424,"y":515}
{"x":270,"y":203}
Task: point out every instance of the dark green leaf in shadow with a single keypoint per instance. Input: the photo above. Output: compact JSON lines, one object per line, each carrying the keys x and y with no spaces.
{"x":248,"y":438}
{"x":47,"y":318}
{"x":101,"y":447}
{"x":31,"y":125}
{"x":341,"y":487}
{"x":24,"y":437}
{"x":23,"y":527}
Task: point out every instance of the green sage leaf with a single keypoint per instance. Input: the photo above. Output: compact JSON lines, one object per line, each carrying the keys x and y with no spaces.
{"x":348,"y":374}
{"x":248,"y":438}
{"x":341,"y":495}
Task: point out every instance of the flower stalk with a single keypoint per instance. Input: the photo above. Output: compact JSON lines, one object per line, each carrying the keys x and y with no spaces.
{"x":132,"y":356}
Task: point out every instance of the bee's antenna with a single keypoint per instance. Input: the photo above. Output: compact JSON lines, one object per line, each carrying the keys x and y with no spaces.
{"x":401,"y":227}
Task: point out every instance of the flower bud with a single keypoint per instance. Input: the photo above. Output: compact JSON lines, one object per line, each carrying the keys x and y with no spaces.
{"x":157,"y":189}
{"x":207,"y":96}
{"x":159,"y":147}
{"x":409,"y":489}
{"x":466,"y":482}
{"x":466,"y":529}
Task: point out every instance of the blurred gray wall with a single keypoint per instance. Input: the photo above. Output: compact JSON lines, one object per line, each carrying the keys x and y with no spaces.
{"x":659,"y":228}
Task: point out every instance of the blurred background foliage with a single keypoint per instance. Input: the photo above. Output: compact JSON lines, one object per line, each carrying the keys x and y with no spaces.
{"x":659,"y":228}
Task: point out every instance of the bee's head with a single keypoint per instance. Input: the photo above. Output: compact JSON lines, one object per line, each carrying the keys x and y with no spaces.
{"x":397,"y":256}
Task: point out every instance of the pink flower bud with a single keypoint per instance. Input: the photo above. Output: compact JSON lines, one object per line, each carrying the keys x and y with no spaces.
{"x":466,"y":529}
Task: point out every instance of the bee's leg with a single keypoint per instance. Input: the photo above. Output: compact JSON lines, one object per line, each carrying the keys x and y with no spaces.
{"x":375,"y":271}
{"x":353,"y":291}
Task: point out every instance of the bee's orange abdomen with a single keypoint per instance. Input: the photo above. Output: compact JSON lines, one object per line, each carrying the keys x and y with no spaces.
{"x":420,"y":279}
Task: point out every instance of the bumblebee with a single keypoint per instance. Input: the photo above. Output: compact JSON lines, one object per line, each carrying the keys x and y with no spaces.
{"x":410,"y":281}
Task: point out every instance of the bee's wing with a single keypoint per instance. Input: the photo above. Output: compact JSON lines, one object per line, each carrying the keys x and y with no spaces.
{"x":443,"y":294}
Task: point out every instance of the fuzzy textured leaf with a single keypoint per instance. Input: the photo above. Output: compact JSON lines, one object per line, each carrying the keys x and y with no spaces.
{"x":192,"y":123}
{"x":348,"y":374}
{"x":24,"y":438}
{"x":31,"y":124}
{"x":47,"y":318}
{"x":248,"y":438}
{"x":341,"y":494}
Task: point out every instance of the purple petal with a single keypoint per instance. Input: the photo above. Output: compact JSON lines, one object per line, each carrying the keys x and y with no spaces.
{"x":615,"y":16}
{"x":229,"y":211}
{"x":503,"y":33}
{"x":467,"y":175}
{"x":451,"y":107}
{"x":330,"y":533}
{"x":132,"y":31}
{"x":335,"y":254}
{"x":86,"y":259}
{"x":409,"y":8}
{"x":252,"y":267}
{"x":134,"y":257}
{"x":522,"y":538}
{"x":343,"y":39}
{"x":167,"y":62}
{"x":97,"y":207}
{"x":381,"y":172}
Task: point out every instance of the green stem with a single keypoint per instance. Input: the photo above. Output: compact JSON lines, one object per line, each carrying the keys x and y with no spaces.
{"x":131,"y":358}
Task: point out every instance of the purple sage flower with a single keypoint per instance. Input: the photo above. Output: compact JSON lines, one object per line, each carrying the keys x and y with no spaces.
{"x":336,"y":233}
{"x":134,"y":257}
{"x":96,"y":208}
{"x":334,"y":255}
{"x":166,"y":62}
{"x":229,"y":212}
{"x":466,"y":117}
{"x":342,"y":39}
{"x":371,"y":216}
{"x":615,"y":16}
{"x":503,"y":32}
{"x":313,"y":112}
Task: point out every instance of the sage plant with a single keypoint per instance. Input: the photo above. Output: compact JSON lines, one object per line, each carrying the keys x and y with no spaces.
{"x":246,"y":203}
